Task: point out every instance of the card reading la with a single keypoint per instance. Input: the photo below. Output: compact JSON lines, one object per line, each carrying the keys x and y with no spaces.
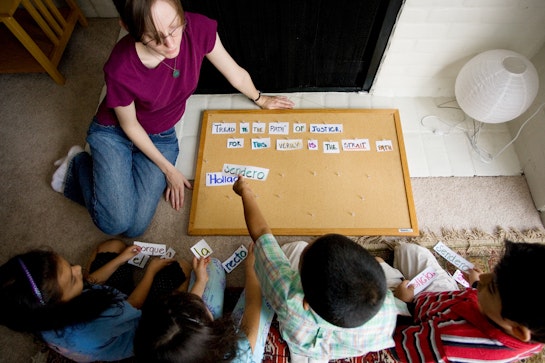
{"x":201,"y":249}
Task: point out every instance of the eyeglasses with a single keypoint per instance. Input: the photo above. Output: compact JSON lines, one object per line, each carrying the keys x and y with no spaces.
{"x":162,"y":38}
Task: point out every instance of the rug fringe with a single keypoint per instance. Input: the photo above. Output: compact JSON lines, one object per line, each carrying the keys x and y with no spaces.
{"x":468,"y":239}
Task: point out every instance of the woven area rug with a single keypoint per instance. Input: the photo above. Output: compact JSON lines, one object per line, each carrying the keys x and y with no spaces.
{"x":482,"y":249}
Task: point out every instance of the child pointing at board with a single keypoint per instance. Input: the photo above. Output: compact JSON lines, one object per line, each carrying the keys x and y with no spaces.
{"x":332,"y":304}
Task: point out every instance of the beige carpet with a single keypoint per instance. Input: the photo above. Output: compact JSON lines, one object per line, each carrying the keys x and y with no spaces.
{"x":40,"y":120}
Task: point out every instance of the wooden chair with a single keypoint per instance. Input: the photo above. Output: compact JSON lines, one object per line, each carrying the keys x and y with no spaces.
{"x":35,"y":35}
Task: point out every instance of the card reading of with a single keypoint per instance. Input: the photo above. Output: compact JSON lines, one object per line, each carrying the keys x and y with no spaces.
{"x":235,"y":259}
{"x":201,"y":249}
{"x":152,"y":249}
{"x":139,"y":260}
{"x":423,"y":279}
{"x":452,"y":256}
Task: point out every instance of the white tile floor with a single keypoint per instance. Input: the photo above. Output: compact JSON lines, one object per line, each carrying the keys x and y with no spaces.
{"x":434,"y":148}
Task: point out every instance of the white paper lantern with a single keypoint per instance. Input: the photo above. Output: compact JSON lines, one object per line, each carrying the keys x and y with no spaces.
{"x":496,"y":86}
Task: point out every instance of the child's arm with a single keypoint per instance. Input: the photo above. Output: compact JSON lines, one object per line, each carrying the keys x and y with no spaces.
{"x":141,"y":291}
{"x":255,"y":222}
{"x":102,"y":274}
{"x":201,"y":275}
{"x":473,"y":275}
{"x":404,"y":291}
{"x":252,"y":308}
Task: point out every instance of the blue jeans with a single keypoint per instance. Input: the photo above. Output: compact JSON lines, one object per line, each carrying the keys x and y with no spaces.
{"x":118,"y":184}
{"x":214,"y":292}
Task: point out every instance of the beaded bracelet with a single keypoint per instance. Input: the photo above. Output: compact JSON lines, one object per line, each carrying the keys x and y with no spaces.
{"x":258,"y":97}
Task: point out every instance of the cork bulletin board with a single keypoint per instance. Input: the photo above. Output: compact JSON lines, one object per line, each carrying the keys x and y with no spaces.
{"x":314,"y":171}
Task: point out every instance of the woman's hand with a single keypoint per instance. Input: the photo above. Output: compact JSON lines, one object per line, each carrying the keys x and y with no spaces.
{"x":274,"y":102}
{"x":176,"y":184}
{"x":404,"y":291}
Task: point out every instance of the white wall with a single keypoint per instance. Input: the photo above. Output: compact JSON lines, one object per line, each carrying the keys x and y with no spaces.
{"x":530,"y":145}
{"x":433,"y":39}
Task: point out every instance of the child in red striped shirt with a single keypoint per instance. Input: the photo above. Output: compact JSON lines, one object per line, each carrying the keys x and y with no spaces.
{"x":500,"y":318}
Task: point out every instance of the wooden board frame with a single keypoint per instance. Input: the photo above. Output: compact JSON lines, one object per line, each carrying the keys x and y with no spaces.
{"x":308,"y":192}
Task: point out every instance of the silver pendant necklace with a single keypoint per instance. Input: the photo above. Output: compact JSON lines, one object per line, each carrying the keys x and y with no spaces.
{"x":175,"y":71}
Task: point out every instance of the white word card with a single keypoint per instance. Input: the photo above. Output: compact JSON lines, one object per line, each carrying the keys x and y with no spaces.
{"x":152,"y":249}
{"x":423,"y":279}
{"x":235,"y":143}
{"x":452,"y":256}
{"x":356,"y":145}
{"x":331,"y":147}
{"x":459,"y":276}
{"x":235,"y":259}
{"x":169,"y":253}
{"x":218,"y":179}
{"x":279,"y":128}
{"x":247,"y":171}
{"x":261,"y":143}
{"x":313,"y":144}
{"x":384,"y":145}
{"x":224,"y":127}
{"x":201,"y":249}
{"x":139,"y":260}
{"x":326,"y":128}
{"x":289,"y":144}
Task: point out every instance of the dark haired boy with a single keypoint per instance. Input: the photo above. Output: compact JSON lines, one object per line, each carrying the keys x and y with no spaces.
{"x":500,"y":318}
{"x":335,"y":305}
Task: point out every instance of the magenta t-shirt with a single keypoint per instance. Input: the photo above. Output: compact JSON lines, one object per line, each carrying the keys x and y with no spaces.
{"x":159,"y":98}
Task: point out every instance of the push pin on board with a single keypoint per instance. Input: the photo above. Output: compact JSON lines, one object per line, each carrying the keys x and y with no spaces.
{"x":338,"y":173}
{"x":313,"y":173}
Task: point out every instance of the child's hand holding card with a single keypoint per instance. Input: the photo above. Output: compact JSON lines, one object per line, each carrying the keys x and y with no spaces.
{"x":201,"y":249}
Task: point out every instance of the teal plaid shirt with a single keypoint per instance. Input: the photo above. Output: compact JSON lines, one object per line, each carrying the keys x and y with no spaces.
{"x":305,"y":332}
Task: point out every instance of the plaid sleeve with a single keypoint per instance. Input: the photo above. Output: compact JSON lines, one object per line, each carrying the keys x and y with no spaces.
{"x":274,"y":272}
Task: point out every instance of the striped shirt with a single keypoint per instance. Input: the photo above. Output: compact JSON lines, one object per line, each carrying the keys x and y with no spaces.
{"x":304,"y":331}
{"x":449,"y":327}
